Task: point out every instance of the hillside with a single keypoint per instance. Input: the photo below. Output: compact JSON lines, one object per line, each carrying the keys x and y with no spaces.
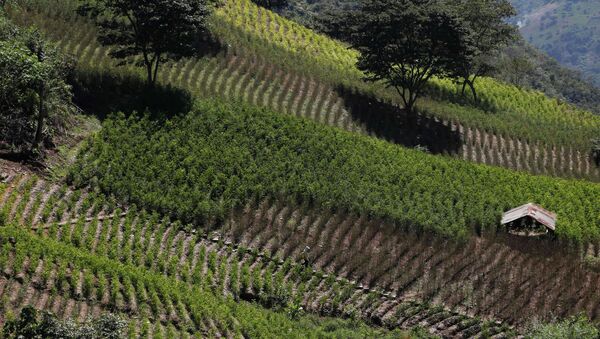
{"x":567,"y":30}
{"x":265,"y":190}
{"x":87,"y":230}
{"x":278,"y":64}
{"x":262,"y":154}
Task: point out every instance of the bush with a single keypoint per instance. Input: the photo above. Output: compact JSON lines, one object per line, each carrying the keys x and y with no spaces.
{"x":573,"y":328}
{"x":35,"y":324}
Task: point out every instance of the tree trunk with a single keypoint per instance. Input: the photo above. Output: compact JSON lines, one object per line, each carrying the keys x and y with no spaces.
{"x":156,"y":70}
{"x":42,"y":114}
{"x":464,"y":87}
{"x":472,"y":86}
{"x":149,"y":72}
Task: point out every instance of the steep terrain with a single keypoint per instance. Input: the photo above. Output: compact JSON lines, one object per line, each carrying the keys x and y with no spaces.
{"x":271,"y":62}
{"x":215,"y":219}
{"x":567,"y":30}
{"x":543,"y":72}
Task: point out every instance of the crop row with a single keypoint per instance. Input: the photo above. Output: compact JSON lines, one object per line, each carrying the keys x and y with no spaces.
{"x":253,"y":79}
{"x":176,"y":170}
{"x":364,"y":266}
{"x":507,"y":110}
{"x":64,"y":270}
{"x":142,"y":240}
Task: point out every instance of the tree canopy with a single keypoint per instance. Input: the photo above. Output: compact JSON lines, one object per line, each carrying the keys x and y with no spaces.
{"x":149,"y":33}
{"x":486,"y":23}
{"x":404,"y":43}
{"x":34,"y":95}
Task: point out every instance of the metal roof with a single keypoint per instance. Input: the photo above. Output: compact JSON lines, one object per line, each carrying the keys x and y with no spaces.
{"x":534,"y":211}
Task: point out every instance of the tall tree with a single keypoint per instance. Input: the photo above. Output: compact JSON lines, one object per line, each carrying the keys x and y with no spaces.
{"x":486,"y":23}
{"x":149,"y":33}
{"x":33,"y":88}
{"x":405,"y":43}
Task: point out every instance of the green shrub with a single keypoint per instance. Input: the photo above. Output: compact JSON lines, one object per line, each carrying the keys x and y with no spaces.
{"x":573,"y":328}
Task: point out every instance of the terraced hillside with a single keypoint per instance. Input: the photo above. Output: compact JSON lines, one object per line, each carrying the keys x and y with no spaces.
{"x":336,"y":263}
{"x":83,"y":258}
{"x":269,"y":61}
{"x":291,"y":221}
{"x":193,"y":260}
{"x":219,"y":155}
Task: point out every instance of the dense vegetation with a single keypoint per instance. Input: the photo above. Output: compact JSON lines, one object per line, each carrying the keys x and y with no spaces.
{"x":35,"y":100}
{"x":149,"y":34}
{"x":216,"y":157}
{"x":574,"y":327}
{"x":34,"y":324}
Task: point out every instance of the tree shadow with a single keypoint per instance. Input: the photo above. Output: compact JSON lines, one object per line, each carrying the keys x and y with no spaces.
{"x":392,"y":123}
{"x":100,"y":93}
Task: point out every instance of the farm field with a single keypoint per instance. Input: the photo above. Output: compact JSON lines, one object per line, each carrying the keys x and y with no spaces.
{"x":266,"y":191}
{"x":81,"y":259}
{"x":78,"y":222}
{"x":350,"y":261}
{"x":199,"y":166}
{"x":250,"y":69}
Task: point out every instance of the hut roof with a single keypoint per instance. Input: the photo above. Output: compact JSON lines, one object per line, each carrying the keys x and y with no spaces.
{"x":534,"y":211}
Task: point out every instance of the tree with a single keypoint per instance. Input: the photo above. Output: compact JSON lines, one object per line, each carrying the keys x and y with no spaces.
{"x":33,"y":88}
{"x":405,"y":43}
{"x":149,"y":33}
{"x":486,"y":23}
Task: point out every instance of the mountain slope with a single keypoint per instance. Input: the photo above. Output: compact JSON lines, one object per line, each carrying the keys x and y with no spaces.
{"x":272,"y":62}
{"x":567,"y":30}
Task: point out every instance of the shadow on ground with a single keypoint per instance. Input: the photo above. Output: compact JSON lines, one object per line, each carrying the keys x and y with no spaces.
{"x":391,"y":123}
{"x":100,"y":93}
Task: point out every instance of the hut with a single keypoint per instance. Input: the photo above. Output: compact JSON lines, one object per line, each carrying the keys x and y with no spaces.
{"x":529,"y":220}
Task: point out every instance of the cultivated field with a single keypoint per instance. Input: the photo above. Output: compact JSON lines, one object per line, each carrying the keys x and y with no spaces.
{"x":78,"y":223}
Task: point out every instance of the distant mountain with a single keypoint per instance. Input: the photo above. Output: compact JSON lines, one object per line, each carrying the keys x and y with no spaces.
{"x":568,"y":30}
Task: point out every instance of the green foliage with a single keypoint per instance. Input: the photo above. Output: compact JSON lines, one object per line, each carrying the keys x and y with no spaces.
{"x":156,"y":31}
{"x":199,"y":166}
{"x":32,"y":323}
{"x":251,"y":32}
{"x":34,"y":96}
{"x":405,"y":43}
{"x":573,"y":328}
{"x":488,"y":31}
